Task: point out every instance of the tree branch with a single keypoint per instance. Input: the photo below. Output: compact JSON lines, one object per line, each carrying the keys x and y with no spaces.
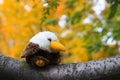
{"x":105,"y":69}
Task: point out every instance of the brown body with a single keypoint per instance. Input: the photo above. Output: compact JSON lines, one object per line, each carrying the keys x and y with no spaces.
{"x":34,"y":54}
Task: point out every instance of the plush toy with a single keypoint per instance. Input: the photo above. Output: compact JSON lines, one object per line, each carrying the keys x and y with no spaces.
{"x":43,"y":49}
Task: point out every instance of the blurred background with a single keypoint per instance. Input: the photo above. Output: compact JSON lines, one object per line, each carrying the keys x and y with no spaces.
{"x":89,"y":29}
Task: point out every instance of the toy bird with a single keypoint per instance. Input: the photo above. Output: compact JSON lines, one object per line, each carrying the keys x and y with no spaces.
{"x":43,"y":49}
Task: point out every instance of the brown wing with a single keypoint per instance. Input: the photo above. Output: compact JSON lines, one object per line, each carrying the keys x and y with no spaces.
{"x":30,"y":49}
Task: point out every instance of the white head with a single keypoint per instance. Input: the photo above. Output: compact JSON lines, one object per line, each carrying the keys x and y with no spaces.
{"x":43,"y":39}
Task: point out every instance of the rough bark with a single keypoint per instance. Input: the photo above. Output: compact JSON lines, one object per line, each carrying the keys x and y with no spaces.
{"x":105,"y":69}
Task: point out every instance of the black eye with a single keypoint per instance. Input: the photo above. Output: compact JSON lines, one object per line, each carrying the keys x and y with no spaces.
{"x":49,"y":39}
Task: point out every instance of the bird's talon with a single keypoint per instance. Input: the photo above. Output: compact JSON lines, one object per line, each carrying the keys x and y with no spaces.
{"x":40,"y":63}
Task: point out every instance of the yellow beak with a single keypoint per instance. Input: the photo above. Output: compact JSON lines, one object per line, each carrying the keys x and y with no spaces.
{"x":56,"y":46}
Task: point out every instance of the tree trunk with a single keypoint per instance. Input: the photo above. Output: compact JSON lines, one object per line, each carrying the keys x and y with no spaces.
{"x":105,"y":69}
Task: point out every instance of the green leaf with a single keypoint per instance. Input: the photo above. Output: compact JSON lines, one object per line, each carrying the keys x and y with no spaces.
{"x":75,"y":18}
{"x":46,"y":11}
{"x":116,"y":34}
{"x":109,"y":1}
{"x":113,"y":10}
{"x":70,"y":3}
{"x":43,"y":19}
{"x":53,"y":4}
{"x":51,"y":21}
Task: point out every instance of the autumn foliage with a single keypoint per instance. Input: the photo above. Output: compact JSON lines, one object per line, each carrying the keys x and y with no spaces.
{"x":21,"y":19}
